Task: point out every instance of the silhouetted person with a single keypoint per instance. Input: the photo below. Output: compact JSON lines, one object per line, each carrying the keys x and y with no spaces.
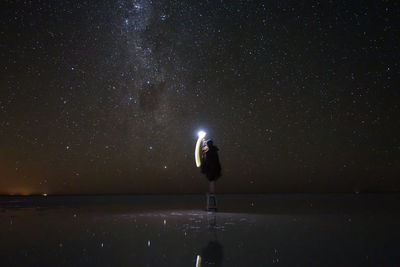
{"x":210,"y":165}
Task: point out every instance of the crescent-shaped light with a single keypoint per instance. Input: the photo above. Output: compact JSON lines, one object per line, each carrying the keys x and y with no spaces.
{"x":201,"y":135}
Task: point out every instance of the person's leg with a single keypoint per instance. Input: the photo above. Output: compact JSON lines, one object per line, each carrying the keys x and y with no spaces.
{"x":212,"y":187}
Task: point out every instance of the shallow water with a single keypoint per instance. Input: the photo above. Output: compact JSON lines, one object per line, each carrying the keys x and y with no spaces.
{"x":248,"y":230}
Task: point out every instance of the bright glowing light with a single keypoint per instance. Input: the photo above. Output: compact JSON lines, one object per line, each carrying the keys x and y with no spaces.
{"x":197,"y":151}
{"x":201,"y":134}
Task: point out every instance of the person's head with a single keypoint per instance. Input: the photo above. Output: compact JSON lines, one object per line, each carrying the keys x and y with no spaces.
{"x":210,"y":142}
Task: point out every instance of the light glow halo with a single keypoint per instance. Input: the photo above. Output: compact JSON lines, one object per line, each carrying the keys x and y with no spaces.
{"x":197,"y":151}
{"x":201,"y":134}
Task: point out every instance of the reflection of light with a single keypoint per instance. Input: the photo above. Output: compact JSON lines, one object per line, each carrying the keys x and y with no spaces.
{"x":45,"y":195}
{"x":198,"y":261}
{"x":201,"y":134}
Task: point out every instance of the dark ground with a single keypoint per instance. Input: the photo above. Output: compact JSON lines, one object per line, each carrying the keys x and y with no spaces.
{"x":249,"y":230}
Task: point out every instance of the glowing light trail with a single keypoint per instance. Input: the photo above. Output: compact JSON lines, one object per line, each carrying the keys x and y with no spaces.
{"x":201,"y":135}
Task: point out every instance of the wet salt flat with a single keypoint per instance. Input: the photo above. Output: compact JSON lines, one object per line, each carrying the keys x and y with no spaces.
{"x":248,"y":230}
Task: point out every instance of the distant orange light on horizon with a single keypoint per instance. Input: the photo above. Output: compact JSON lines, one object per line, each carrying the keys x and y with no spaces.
{"x":20,"y":191}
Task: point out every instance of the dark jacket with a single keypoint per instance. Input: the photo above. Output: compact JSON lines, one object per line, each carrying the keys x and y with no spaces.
{"x":210,"y":165}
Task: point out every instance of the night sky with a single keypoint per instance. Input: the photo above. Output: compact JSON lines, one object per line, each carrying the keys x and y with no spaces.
{"x":108,"y":96}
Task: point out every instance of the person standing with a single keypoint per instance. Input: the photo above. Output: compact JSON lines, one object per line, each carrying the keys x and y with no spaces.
{"x":211,"y":167}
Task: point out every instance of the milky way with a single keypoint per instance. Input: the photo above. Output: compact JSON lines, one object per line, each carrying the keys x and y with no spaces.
{"x":107,"y":96}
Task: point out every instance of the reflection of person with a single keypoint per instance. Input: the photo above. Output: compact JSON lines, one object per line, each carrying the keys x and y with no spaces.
{"x":210,"y":164}
{"x":212,"y":254}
